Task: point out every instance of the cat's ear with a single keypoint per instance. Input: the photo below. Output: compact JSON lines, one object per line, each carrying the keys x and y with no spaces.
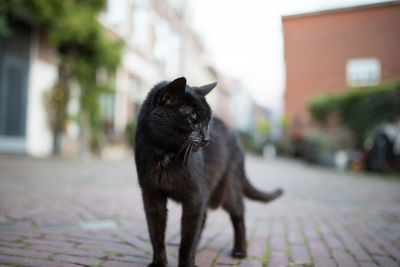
{"x":205,"y":89}
{"x":174,"y":92}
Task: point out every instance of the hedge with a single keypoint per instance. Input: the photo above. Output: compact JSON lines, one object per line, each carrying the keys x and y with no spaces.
{"x":360,"y":109}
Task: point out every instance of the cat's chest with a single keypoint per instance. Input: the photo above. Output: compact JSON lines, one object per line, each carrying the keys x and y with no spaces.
{"x":172,"y":182}
{"x":176,"y":180}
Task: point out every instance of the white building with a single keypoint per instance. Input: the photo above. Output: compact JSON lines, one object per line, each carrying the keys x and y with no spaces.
{"x":159,"y":44}
{"x":27,"y":70}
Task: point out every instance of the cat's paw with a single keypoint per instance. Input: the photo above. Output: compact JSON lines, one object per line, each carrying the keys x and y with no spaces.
{"x":239,"y":254}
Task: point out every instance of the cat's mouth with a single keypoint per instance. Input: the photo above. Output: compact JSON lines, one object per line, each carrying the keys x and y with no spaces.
{"x":196,"y":148}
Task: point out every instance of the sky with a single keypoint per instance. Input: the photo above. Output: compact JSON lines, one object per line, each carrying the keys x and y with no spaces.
{"x":244,"y":39}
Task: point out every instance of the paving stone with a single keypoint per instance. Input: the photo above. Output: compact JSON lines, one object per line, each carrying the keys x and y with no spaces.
{"x":257,"y":247}
{"x":219,"y":242}
{"x":343,"y":259}
{"x":205,"y":257}
{"x":278,"y":259}
{"x":394,"y":252}
{"x":359,"y":253}
{"x":324,"y":262}
{"x":385,"y":261}
{"x":136,"y":242}
{"x":367,"y":264}
{"x":172,"y":250}
{"x":353,"y":246}
{"x":50,"y":243}
{"x":10,"y":238}
{"x":19,"y":233}
{"x":251,"y":263}
{"x":24,"y":252}
{"x":333,"y":242}
{"x":68,"y":251}
{"x":278,"y":229}
{"x":33,"y":262}
{"x":299,"y":255}
{"x":320,"y":207}
{"x":225,"y":258}
{"x":311,"y":233}
{"x":369,"y":245}
{"x":90,"y":237}
{"x":278,"y":243}
{"x":76,"y":259}
{"x":120,"y":264}
{"x":123,"y":249}
{"x":11,"y":244}
{"x":172,"y":261}
{"x":295,"y":237}
{"x":318,"y":249}
{"x":131,"y":259}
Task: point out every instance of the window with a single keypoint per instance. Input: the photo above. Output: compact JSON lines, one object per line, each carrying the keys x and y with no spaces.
{"x":176,"y":3}
{"x":107,"y":106}
{"x":161,"y":36}
{"x":363,"y":72}
{"x":140,"y":25}
{"x":116,"y":10}
{"x":167,"y":47}
{"x":173,"y":59}
{"x":137,"y":93}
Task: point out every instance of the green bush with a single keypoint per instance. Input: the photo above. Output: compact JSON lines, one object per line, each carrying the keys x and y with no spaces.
{"x":318,"y":147}
{"x":249,"y":143}
{"x":84,"y":47}
{"x":360,"y":109}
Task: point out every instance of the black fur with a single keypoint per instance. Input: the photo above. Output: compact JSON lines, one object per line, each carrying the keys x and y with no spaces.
{"x":184,"y":153}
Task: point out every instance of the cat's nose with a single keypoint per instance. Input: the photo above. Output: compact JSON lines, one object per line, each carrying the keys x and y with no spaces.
{"x":205,"y":140}
{"x":205,"y":136}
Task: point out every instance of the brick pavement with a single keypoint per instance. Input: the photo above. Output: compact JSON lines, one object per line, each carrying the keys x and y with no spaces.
{"x":74,"y":213}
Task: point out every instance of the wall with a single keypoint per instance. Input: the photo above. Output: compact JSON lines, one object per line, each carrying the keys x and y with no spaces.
{"x":42,"y":76}
{"x":317,"y":47}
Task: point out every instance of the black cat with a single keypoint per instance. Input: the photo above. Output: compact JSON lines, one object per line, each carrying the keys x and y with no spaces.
{"x":184,"y":153}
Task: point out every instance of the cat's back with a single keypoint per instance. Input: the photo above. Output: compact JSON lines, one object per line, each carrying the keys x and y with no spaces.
{"x":222,"y":135}
{"x":223,"y":149}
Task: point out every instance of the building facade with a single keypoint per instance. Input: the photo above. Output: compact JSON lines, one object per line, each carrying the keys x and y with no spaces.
{"x":28,"y":68}
{"x":333,"y":50}
{"x":159,"y":44}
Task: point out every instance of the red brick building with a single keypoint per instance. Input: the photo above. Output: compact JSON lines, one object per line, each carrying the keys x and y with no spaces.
{"x":332,"y":50}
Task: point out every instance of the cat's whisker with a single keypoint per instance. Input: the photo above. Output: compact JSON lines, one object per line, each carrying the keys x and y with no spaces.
{"x":181,"y":149}
{"x":184,"y":155}
{"x":187,"y":152}
{"x":190,"y":153}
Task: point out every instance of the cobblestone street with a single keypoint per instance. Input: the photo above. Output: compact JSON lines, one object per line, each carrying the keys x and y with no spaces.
{"x":71,"y":213}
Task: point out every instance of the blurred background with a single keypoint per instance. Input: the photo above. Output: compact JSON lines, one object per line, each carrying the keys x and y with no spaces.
{"x":317,"y":80}
{"x":312,"y":88}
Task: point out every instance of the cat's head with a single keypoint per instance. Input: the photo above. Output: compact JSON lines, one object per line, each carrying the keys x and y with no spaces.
{"x":180,"y":116}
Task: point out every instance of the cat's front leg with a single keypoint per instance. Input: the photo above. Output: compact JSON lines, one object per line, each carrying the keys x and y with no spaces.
{"x":193,"y":212}
{"x":156,"y":215}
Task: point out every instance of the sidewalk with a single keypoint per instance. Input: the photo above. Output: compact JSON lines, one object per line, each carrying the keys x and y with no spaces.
{"x":72,"y":213}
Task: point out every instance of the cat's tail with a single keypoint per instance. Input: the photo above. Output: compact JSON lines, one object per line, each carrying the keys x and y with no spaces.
{"x":252,"y":193}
